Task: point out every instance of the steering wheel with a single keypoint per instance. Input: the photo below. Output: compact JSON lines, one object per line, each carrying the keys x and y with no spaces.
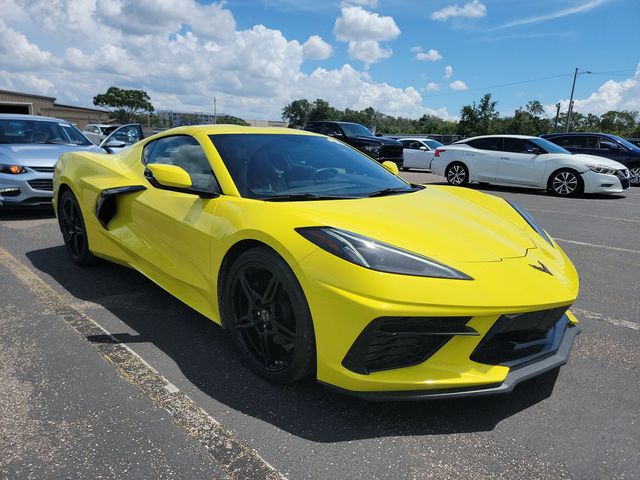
{"x":324,"y":173}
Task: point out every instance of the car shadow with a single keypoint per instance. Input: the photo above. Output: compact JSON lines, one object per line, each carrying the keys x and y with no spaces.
{"x":204,"y":353}
{"x":485,"y":187}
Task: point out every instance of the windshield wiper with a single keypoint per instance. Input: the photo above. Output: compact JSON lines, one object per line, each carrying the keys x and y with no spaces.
{"x":53,"y":142}
{"x":391,"y":191}
{"x":304,"y":196}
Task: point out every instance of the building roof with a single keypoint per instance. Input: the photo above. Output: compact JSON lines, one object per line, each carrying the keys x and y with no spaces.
{"x":21,"y":94}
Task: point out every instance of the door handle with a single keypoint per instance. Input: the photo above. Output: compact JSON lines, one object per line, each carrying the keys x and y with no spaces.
{"x":504,"y":158}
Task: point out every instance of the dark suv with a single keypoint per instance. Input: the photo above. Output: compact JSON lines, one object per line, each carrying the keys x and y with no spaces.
{"x":360,"y":137}
{"x":602,"y":145}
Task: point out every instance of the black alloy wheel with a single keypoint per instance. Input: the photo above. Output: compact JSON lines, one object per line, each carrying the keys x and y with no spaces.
{"x":565,"y":183}
{"x":268,"y":317}
{"x":73,"y":230}
{"x":634,"y":173}
{"x":457,"y":174}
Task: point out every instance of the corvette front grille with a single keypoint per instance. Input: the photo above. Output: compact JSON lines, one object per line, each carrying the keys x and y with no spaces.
{"x":396,"y":342}
{"x":520,"y":338}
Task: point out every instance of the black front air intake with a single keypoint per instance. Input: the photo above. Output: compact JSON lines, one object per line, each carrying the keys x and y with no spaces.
{"x":396,"y":342}
{"x":520,"y":338}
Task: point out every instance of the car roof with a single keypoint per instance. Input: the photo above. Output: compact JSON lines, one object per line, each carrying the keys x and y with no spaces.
{"x":333,"y":121}
{"x":218,"y":129}
{"x":18,"y":116}
{"x":577,"y":134}
{"x":523,"y":137}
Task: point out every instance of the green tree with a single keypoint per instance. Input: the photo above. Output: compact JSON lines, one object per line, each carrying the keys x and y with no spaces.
{"x":231,"y":120}
{"x":296,"y":113}
{"x":321,"y":110}
{"x":125,"y":104}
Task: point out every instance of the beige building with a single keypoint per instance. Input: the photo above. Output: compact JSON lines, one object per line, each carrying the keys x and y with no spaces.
{"x":267,"y":123}
{"x":25,"y":103}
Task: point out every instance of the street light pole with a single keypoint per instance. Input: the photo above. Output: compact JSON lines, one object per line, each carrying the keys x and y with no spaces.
{"x":555,"y":126}
{"x":573,"y":87}
{"x":215,"y":117}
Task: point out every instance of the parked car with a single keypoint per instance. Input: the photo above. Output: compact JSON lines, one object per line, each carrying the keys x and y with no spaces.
{"x":418,"y":152}
{"x":122,"y":137}
{"x":29,"y":148}
{"x":309,"y":253}
{"x":524,"y":161}
{"x":97,"y":132}
{"x":603,"y":145}
{"x":358,"y":136}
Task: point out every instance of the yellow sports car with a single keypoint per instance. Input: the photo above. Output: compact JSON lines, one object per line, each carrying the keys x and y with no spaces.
{"x":320,"y":261}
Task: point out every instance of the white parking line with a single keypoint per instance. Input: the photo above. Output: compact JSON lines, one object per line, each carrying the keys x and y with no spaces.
{"x":594,"y":245}
{"x":584,"y":215}
{"x":606,"y":318}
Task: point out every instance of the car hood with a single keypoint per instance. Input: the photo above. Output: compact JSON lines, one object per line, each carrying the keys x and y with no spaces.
{"x":599,"y":160}
{"x":38,"y":155}
{"x":443,"y":223}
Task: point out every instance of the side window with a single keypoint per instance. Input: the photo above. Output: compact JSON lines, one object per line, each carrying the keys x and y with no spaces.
{"x":593,"y":142}
{"x":489,"y":143}
{"x":183,"y":151}
{"x":331,"y":129}
{"x":415,"y":145}
{"x":573,"y":141}
{"x":406,"y":143}
{"x":515,"y":145}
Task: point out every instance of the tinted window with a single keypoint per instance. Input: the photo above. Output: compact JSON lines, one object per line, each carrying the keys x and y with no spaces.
{"x":183,"y":151}
{"x":356,"y":130}
{"x":39,"y":131}
{"x":489,"y":143}
{"x":265,"y":165}
{"x":548,"y":146}
{"x":516,"y":145}
{"x":571,"y":141}
{"x":433,"y":144}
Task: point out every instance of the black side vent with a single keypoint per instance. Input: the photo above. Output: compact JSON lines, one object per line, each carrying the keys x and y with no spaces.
{"x":520,"y":338}
{"x":106,"y":204}
{"x":396,"y":342}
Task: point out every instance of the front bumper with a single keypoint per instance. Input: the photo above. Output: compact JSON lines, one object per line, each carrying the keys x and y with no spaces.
{"x":345,"y":299}
{"x":26,"y":189}
{"x":515,"y":376}
{"x":603,"y":183}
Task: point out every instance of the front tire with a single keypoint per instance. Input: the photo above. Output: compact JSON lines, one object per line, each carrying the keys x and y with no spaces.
{"x":565,"y":183}
{"x":634,"y":172}
{"x":457,"y":174}
{"x":73,"y":230}
{"x":268,"y":317}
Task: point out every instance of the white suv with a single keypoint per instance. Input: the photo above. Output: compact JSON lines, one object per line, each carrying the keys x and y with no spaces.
{"x":524,"y":161}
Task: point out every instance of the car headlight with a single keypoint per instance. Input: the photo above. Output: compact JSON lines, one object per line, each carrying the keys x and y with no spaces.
{"x":376,"y":255}
{"x":601,"y":169}
{"x":12,"y":169}
{"x":374,"y":149}
{"x":531,"y":221}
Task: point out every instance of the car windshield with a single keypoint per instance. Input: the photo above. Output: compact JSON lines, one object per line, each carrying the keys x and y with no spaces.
{"x":39,"y":131}
{"x":625,"y":142}
{"x":433,"y":144}
{"x":549,"y":147}
{"x":266,"y":166}
{"x":356,"y":130}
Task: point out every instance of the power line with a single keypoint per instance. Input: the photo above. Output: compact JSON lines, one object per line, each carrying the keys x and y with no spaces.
{"x":500,"y":85}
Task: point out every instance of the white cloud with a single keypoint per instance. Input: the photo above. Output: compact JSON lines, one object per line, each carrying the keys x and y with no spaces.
{"x":448,"y":71}
{"x":458,"y":85}
{"x":368,"y":51}
{"x":432,"y":55}
{"x":611,"y":95}
{"x":357,"y":24}
{"x":433,"y":87}
{"x":473,"y":9}
{"x":584,"y":7}
{"x":315,"y":48}
{"x":75,"y":49}
{"x":365,"y":3}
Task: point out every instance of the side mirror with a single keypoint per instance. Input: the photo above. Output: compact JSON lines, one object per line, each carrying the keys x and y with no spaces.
{"x":336,"y":135}
{"x":391,"y":167}
{"x":610,"y":146}
{"x":424,"y":149}
{"x":112,"y":144}
{"x":171,"y":176}
{"x":534,"y":151}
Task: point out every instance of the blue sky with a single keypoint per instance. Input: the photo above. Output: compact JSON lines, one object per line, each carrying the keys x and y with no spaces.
{"x":256,"y":56}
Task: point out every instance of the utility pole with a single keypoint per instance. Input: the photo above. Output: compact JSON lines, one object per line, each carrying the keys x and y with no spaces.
{"x":215,"y":117}
{"x":555,"y":126}
{"x":573,"y":87}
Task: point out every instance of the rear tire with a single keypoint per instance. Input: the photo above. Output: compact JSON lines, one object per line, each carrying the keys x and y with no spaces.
{"x":268,"y":317}
{"x":565,"y":183}
{"x":457,"y":174}
{"x":73,"y":230}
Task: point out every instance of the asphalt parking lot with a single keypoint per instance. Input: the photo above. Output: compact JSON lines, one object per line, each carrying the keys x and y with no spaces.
{"x":106,"y":376}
